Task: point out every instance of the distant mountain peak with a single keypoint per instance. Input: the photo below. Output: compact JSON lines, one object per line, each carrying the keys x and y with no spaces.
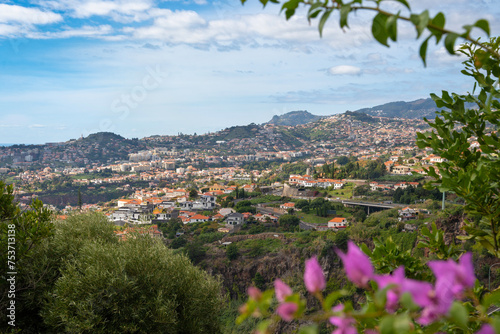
{"x":414,"y":109}
{"x":103,"y":136}
{"x":292,"y":118}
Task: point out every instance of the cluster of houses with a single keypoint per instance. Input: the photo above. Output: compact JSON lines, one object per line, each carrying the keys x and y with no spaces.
{"x":374,"y":186}
{"x":204,"y":202}
{"x":406,"y":214}
{"x":308,"y":181}
{"x":148,"y":211}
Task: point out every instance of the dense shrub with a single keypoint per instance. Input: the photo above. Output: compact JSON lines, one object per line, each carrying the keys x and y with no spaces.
{"x":135,"y":286}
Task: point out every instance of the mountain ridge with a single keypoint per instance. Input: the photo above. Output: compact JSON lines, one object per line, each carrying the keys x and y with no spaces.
{"x":293,"y":118}
{"x":401,"y":109}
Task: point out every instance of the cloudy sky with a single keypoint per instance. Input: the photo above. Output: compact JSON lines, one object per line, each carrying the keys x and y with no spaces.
{"x":145,"y":67}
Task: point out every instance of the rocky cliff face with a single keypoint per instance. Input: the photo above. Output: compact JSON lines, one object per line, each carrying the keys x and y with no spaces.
{"x":286,"y":264}
{"x":452,"y":227}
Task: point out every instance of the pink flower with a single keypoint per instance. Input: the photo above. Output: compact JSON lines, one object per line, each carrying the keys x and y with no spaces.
{"x":418,"y":290}
{"x":437,"y":304}
{"x":459,"y":276}
{"x":486,"y":329}
{"x":254,"y":293}
{"x":344,"y":324}
{"x":313,"y":276}
{"x":357,"y":265}
{"x":287,"y":310}
{"x":282,"y":290}
{"x":451,"y":280}
{"x":394,"y":293}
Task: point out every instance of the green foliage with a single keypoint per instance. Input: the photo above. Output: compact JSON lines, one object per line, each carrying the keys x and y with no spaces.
{"x":259,"y":281}
{"x":28,"y":228}
{"x":195,"y":251}
{"x":361,"y":190}
{"x":258,"y":247}
{"x":373,"y":170}
{"x":472,"y":173}
{"x":135,"y":286}
{"x":289,"y":222}
{"x":229,"y":314}
{"x":79,"y":199}
{"x":170,"y":227}
{"x":328,"y":170}
{"x":388,"y":256}
{"x":178,"y":243}
{"x":244,"y":206}
{"x":23,"y":239}
{"x":341,"y":238}
{"x":41,"y":270}
{"x":362,"y":117}
{"x":300,"y":204}
{"x":232,"y":252}
{"x":342,"y":160}
{"x":243,"y":209}
{"x":265,"y":199}
{"x":359,"y":214}
{"x":193,"y":193}
{"x":75,"y":276}
{"x":434,"y":241}
{"x":210,"y":237}
{"x":239,"y":132}
{"x":411,"y":194}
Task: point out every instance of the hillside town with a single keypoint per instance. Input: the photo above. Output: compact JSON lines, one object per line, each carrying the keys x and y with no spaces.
{"x":201,"y":179}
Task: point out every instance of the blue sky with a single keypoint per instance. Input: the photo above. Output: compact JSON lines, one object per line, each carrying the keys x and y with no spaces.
{"x":145,"y":67}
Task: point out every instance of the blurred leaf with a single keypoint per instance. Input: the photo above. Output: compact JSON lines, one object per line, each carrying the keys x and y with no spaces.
{"x":420,"y":21}
{"x":449,"y":42}
{"x":459,"y":314}
{"x":378,"y":29}
{"x":344,"y":13}
{"x":492,"y":298}
{"x":323,"y":20}
{"x":423,"y":51}
{"x":483,"y":25}
{"x":311,"y":329}
{"x":405,"y":3}
{"x":391,"y":26}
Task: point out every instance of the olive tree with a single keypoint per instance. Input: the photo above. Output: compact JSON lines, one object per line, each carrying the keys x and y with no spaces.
{"x":136,"y":286}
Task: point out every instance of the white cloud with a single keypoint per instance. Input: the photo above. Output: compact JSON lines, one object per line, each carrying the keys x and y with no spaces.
{"x":9,"y":30}
{"x":188,"y":27}
{"x":99,"y":8}
{"x":441,"y":55}
{"x":24,"y":15}
{"x":344,"y":70}
{"x":85,"y":31}
{"x":124,"y":11}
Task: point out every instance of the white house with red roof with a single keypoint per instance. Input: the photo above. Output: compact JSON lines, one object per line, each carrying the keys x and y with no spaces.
{"x":338,"y":222}
{"x":286,"y":206}
{"x":199,"y":219}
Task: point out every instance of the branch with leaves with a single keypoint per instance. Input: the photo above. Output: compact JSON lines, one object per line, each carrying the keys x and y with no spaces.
{"x":385,"y":23}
